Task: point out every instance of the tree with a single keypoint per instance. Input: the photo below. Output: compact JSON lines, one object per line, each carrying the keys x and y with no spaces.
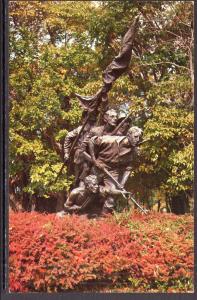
{"x":57,"y":48}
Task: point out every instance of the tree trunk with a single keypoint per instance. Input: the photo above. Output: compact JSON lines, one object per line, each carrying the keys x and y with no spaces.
{"x":26,"y":203}
{"x":14,"y":199}
{"x":180,"y":204}
{"x":60,"y":201}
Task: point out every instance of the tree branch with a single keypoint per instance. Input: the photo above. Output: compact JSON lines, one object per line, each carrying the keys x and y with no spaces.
{"x":165,"y":62}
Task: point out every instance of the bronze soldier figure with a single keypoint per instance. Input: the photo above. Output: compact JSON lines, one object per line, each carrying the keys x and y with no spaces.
{"x":90,"y":198}
{"x":78,"y":161}
{"x":110,"y":121}
{"x":115,"y":154}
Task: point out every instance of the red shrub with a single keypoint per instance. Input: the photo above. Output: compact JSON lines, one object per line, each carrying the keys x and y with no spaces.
{"x":144,"y":252}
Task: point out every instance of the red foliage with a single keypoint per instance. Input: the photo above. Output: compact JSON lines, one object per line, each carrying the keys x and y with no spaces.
{"x":50,"y":254}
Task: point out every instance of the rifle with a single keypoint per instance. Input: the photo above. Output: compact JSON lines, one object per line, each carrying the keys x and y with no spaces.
{"x":88,"y":157}
{"x":120,"y":125}
{"x":142,"y":142}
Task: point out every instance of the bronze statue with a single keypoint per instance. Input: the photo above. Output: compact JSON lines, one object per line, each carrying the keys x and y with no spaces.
{"x":102,"y":150}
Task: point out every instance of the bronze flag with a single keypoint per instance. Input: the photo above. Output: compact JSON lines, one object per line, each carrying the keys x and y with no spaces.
{"x":113,"y":71}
